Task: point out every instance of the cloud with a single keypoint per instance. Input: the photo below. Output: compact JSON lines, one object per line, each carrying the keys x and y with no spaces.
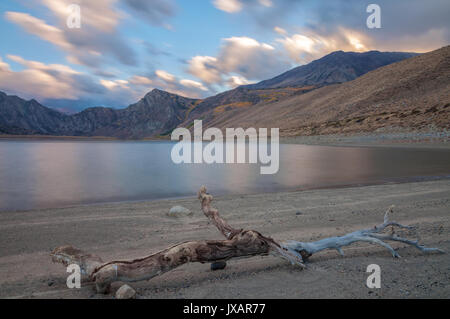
{"x":319,"y":28}
{"x":60,"y":86}
{"x":280,"y":31}
{"x":38,"y":27}
{"x":205,"y":68}
{"x":402,"y":20}
{"x":110,"y":85}
{"x":4,"y":67}
{"x":193,"y":84}
{"x":424,"y":42}
{"x":99,"y":14}
{"x":45,"y":81}
{"x":140,"y":80}
{"x":238,"y":56}
{"x":165,"y":76}
{"x":266,"y":13}
{"x":230,"y":6}
{"x":154,"y":12}
{"x":233,"y":6}
{"x":99,"y":36}
{"x":411,"y":25}
{"x":138,"y":85}
{"x":309,"y":46}
{"x":185,"y":87}
{"x":235,"y":81}
{"x":246,"y":56}
{"x":154,"y":50}
{"x":89,"y":45}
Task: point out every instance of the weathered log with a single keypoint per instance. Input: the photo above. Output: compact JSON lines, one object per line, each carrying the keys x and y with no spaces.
{"x":229,"y":232}
{"x":238,"y":243}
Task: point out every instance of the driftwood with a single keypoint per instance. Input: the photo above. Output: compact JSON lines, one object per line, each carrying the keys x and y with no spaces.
{"x":238,"y":243}
{"x":370,"y":235}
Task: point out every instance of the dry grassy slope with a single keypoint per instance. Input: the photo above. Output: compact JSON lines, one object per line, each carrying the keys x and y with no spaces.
{"x":414,"y":94}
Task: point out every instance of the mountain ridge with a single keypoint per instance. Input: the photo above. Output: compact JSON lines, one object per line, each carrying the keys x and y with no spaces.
{"x":336,"y":67}
{"x":159,"y":112}
{"x":412,"y":94}
{"x":156,"y":113}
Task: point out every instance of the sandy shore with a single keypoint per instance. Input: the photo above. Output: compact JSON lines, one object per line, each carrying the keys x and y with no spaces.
{"x":130,"y":230}
{"x":395,"y":138}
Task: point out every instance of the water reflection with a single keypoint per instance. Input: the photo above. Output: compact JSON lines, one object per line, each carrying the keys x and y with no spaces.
{"x":36,"y":174}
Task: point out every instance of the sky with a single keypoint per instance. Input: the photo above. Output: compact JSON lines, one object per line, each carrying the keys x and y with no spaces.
{"x":196,"y":48}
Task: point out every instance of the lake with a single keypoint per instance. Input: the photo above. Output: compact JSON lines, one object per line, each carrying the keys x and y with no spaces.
{"x":47,"y":174}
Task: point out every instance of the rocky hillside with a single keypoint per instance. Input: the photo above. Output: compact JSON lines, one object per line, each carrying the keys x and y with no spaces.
{"x":21,"y":117}
{"x":156,"y":114}
{"x":337,"y":67}
{"x":411,"y":94}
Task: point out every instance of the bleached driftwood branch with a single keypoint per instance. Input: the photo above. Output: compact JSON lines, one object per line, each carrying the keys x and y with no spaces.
{"x":238,"y":243}
{"x":370,"y":235}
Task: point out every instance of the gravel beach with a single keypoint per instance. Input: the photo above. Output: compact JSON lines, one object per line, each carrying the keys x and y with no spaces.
{"x":136,"y":229}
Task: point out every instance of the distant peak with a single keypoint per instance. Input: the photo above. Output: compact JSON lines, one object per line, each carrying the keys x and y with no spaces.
{"x":161,"y":93}
{"x":157,"y":92}
{"x":335,"y":55}
{"x":337,"y":52}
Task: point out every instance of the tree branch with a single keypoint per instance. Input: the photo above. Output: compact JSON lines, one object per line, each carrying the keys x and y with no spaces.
{"x":213,"y":215}
{"x":239,"y":243}
{"x":371,"y":235}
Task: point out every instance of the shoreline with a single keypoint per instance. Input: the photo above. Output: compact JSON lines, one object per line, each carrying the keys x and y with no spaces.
{"x":392,"y":181}
{"x":130,"y":230}
{"x":75,"y":138}
{"x":385,"y":138}
{"x":388,"y":138}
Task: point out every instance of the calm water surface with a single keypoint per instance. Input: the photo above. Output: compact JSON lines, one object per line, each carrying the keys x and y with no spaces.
{"x":44,"y":174}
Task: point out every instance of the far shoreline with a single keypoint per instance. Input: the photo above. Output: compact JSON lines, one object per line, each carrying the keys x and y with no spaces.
{"x":169,"y":198}
{"x":392,"y":138}
{"x":74,"y":138}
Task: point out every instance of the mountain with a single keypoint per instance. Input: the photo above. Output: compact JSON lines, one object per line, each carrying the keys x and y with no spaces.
{"x":336,"y":67}
{"x":411,"y":94}
{"x":20,"y":117}
{"x":156,"y":114}
{"x":159,"y":112}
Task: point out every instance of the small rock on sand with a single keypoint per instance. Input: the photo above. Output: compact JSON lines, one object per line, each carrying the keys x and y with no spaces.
{"x":179,"y":211}
{"x":219,"y":265}
{"x":125,"y":292}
